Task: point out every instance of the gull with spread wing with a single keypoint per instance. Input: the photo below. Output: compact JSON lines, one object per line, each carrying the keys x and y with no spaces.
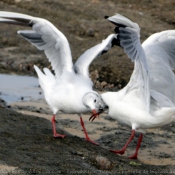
{"x":70,"y":89}
{"x":148,"y":100}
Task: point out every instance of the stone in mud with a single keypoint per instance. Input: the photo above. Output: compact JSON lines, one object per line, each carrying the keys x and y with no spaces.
{"x":103,"y":163}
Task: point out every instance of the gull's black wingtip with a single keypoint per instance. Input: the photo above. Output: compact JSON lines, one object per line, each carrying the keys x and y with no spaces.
{"x":106,"y":17}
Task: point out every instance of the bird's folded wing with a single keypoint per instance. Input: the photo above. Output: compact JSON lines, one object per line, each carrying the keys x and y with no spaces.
{"x":82,"y":64}
{"x":129,"y":39}
{"x":45,"y":36}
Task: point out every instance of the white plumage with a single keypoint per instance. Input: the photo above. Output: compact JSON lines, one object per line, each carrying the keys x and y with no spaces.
{"x":70,"y":89}
{"x":148,"y":100}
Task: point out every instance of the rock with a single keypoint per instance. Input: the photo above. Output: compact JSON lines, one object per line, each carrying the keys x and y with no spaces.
{"x":103,"y":163}
{"x":103,"y":84}
{"x":91,"y":32}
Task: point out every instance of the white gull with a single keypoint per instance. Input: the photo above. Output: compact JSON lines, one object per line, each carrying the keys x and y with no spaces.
{"x":148,"y":100}
{"x":70,"y":89}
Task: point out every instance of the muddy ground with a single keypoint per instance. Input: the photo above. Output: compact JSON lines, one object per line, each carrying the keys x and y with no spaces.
{"x":27,"y":145}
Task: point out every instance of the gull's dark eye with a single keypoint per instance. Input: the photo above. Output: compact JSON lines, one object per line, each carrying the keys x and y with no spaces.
{"x":95,"y":101}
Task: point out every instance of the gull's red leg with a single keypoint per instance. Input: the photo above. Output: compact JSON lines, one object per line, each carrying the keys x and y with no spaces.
{"x":55,"y":134}
{"x":85,"y":132}
{"x":122,"y":151}
{"x":134,"y":156}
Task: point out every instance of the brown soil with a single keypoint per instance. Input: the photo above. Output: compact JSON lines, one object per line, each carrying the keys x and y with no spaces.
{"x":27,"y":145}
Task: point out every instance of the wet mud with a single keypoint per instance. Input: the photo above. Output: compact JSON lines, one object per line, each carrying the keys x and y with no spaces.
{"x":26,"y":142}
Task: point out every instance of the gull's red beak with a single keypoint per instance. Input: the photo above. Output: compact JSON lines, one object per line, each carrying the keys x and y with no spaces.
{"x":94,"y":115}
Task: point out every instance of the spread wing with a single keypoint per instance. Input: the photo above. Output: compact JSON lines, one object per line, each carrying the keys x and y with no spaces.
{"x":129,"y":39}
{"x":45,"y":36}
{"x":82,"y":64}
{"x":160,"y":54}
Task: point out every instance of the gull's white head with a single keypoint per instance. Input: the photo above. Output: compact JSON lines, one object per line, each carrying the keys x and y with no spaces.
{"x":93,"y":101}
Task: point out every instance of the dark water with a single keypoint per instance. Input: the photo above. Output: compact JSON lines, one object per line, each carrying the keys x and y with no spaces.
{"x":19,"y":88}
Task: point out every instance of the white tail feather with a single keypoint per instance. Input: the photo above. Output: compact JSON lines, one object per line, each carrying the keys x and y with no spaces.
{"x":46,"y":81}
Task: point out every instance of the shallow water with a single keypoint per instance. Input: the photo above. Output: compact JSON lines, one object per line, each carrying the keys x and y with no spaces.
{"x":15,"y":88}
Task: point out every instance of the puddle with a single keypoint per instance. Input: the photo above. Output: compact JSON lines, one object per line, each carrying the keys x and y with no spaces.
{"x":14,"y":88}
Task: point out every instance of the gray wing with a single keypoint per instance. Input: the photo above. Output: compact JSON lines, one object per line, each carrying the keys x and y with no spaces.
{"x":45,"y":36}
{"x":82,"y":64}
{"x":160,"y":54}
{"x":129,"y":39}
